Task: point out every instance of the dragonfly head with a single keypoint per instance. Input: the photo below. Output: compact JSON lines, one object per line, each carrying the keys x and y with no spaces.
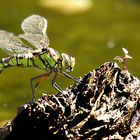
{"x":68,"y":62}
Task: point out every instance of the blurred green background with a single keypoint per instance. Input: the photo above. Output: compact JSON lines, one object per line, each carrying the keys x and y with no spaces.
{"x":93,"y":36}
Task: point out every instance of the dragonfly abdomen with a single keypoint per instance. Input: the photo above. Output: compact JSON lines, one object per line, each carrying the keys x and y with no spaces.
{"x":4,"y":64}
{"x":40,"y":60}
{"x":20,"y":60}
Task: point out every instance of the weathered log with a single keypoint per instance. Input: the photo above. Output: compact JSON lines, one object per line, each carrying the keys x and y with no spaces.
{"x":105,"y":104}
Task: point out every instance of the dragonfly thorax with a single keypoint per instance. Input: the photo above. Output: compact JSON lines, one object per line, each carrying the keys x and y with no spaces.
{"x":68,"y":62}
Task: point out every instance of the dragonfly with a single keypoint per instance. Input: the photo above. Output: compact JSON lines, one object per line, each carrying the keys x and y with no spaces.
{"x":36,"y":54}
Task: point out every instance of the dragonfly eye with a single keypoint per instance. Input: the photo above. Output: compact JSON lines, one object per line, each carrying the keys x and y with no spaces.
{"x":68,"y":62}
{"x":69,"y":69}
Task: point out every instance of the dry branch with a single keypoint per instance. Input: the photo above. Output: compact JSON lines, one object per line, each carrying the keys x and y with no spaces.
{"x":104,"y":105}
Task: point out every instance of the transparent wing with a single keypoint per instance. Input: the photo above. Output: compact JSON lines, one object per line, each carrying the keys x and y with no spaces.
{"x":37,"y":40}
{"x":34,"y":24}
{"x":34,"y":28}
{"x":11,"y":44}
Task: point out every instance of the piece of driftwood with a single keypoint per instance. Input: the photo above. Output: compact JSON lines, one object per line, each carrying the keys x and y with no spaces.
{"x":104,"y":105}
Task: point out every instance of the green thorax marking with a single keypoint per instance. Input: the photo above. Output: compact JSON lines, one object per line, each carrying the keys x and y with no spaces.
{"x":46,"y":59}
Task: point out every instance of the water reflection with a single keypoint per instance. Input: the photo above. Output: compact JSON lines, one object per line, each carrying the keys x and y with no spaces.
{"x":111,"y":43}
{"x":67,"y":6}
{"x":5,"y":105}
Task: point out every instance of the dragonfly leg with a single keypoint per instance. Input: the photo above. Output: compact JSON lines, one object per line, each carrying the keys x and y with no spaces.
{"x":69,"y":76}
{"x":54,"y":84}
{"x":41,"y":78}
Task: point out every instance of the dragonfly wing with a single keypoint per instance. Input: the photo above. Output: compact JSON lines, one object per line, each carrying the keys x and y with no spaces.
{"x":34,"y":24}
{"x":11,"y":44}
{"x":34,"y":28}
{"x":37,"y":40}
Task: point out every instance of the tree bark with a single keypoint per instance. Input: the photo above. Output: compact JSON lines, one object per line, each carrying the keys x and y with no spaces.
{"x":104,"y":104}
